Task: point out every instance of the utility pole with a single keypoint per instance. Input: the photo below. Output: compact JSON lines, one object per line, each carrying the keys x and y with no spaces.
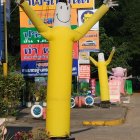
{"x":5,"y":64}
{"x":1,"y":31}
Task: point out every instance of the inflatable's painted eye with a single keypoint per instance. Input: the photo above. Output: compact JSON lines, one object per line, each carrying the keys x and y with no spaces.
{"x":60,"y":7}
{"x":67,"y":8}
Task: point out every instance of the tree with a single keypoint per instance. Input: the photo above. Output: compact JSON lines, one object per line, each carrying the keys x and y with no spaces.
{"x":122,"y":24}
{"x":14,"y":30}
{"x":121,"y":56}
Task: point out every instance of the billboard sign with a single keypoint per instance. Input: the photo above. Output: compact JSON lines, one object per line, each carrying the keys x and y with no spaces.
{"x":34,"y":68}
{"x":84,"y":15}
{"x":32,"y":52}
{"x":84,"y":60}
{"x":34,"y":47}
{"x":34,"y":59}
{"x":51,"y":4}
{"x":90,"y":42}
{"x":114,"y":88}
{"x":75,"y":67}
{"x":75,"y":59}
{"x":31,"y":36}
{"x":84,"y":72}
{"x":40,"y":68}
{"x":46,"y":16}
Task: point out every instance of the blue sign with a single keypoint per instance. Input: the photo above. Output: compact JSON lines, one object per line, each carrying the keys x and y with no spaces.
{"x":75,"y":67}
{"x":40,"y":68}
{"x":34,"y":68}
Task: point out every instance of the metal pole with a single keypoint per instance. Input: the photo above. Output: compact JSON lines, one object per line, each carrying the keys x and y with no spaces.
{"x":5,"y":66}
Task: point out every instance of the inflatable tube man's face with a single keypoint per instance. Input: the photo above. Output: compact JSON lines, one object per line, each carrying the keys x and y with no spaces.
{"x":62,"y":14}
{"x":101,"y":57}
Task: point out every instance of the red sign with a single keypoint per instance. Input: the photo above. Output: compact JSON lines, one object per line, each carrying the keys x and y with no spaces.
{"x":75,"y":50}
{"x":32,"y":52}
{"x":84,"y":71}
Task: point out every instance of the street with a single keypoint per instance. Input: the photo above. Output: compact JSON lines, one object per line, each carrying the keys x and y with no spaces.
{"x":129,"y":130}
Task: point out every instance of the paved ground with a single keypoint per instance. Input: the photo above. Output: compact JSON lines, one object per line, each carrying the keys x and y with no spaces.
{"x":129,"y":130}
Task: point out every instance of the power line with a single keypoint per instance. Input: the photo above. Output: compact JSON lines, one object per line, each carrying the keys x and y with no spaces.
{"x":14,"y":9}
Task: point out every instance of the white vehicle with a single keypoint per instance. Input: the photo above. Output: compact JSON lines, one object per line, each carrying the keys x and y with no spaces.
{"x":89,"y":43}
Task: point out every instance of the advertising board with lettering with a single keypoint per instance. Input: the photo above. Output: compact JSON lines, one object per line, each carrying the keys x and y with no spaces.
{"x":114,"y":88}
{"x":84,"y":15}
{"x":34,"y":47}
{"x":90,"y":42}
{"x":31,"y":36}
{"x":51,"y":4}
{"x":46,"y":16}
{"x":34,"y":59}
{"x":84,"y":72}
{"x":84,"y":60}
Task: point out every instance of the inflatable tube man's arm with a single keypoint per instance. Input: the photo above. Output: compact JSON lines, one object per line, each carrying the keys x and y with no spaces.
{"x":35,"y":19}
{"x":85,"y":27}
{"x":110,"y":56}
{"x":93,"y":61}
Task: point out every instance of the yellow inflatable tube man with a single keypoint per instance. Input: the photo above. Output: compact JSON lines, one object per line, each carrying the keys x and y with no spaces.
{"x":103,"y":78}
{"x":61,"y":38}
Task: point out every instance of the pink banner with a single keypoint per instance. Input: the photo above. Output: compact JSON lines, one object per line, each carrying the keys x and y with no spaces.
{"x":114,"y":88}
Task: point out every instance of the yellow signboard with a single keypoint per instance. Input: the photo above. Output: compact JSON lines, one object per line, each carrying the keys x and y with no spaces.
{"x":51,"y":4}
{"x":47,"y":17}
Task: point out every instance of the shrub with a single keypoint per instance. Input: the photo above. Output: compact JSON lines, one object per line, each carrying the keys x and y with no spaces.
{"x":11,"y":88}
{"x":35,"y":134}
{"x":22,"y":135}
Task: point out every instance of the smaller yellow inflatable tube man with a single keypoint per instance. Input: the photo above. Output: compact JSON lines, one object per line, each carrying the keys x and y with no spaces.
{"x":102,"y":73}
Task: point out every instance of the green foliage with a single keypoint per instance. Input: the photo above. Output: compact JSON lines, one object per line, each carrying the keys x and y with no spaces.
{"x":83,"y":89}
{"x":122,"y":54}
{"x":106,"y":42}
{"x":14,"y":63}
{"x":122,"y":24}
{"x":14,"y":24}
{"x":30,"y":89}
{"x":11,"y":89}
{"x":39,"y":134}
{"x":35,"y":91}
{"x":42,"y":91}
